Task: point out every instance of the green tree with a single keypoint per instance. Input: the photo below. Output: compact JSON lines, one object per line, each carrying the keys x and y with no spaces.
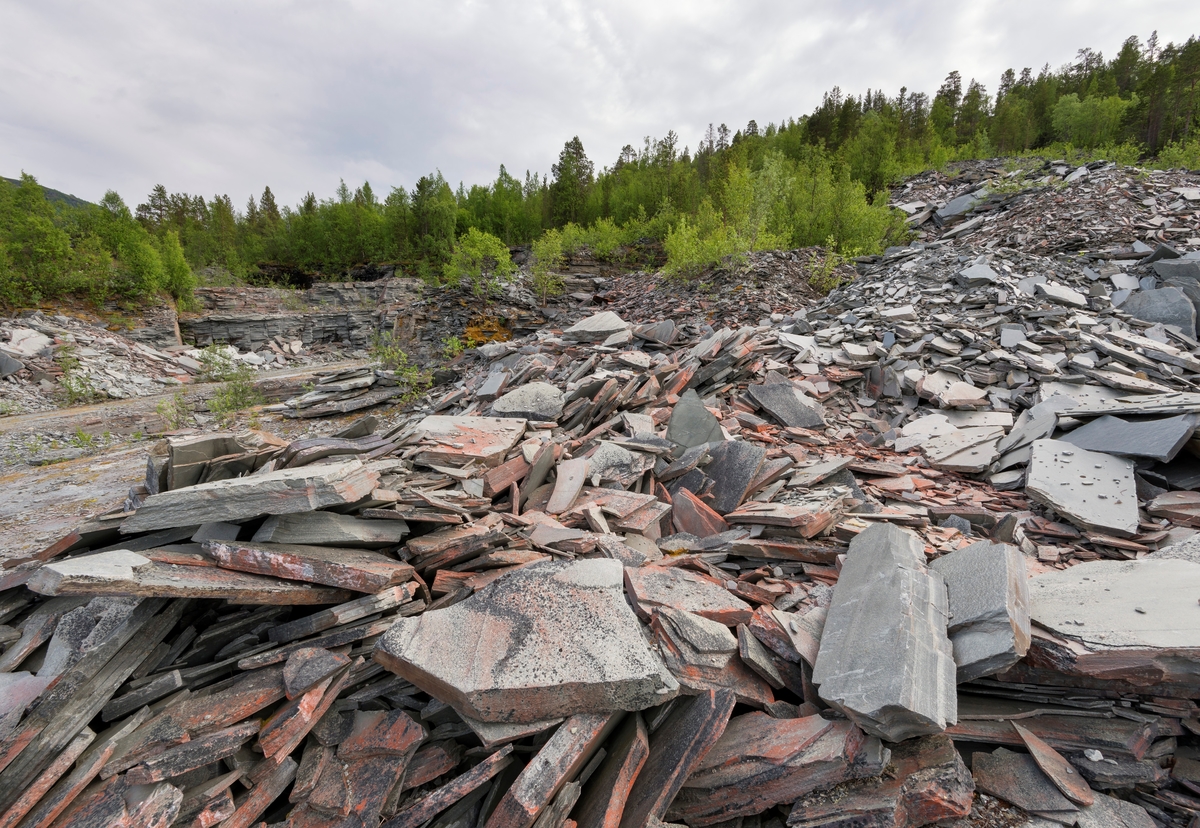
{"x":178,"y":279}
{"x":482,"y":260}
{"x":573,"y":176}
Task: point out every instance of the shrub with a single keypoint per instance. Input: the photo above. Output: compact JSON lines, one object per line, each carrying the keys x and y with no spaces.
{"x":547,"y":259}
{"x":482,"y":260}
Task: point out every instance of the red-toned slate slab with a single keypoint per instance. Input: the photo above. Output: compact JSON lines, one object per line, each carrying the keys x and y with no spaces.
{"x":436,"y":801}
{"x":193,"y":754}
{"x":380,"y":733}
{"x":564,"y":755}
{"x":703,"y":655}
{"x":309,"y":666}
{"x":675,"y":749}
{"x":760,"y":762}
{"x":605,"y":794}
{"x":33,"y":794}
{"x":1060,"y":771}
{"x":926,"y":782}
{"x":650,"y":587}
{"x":264,"y":792}
{"x":358,"y":569}
{"x":432,"y":761}
{"x":694,"y":516}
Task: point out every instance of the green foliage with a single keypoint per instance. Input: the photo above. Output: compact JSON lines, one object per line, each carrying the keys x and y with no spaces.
{"x":452,"y":346}
{"x":547,"y":260}
{"x":823,"y":269}
{"x":74,"y":386}
{"x":175,"y":410}
{"x":218,"y":365}
{"x":482,"y":260}
{"x":1180,"y":155}
{"x":390,"y":356}
{"x":236,"y":394}
{"x":81,"y":439}
{"x":178,"y":279}
{"x":1092,"y":122}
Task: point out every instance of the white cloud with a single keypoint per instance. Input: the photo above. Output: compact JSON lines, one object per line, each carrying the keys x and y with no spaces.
{"x":225,"y":96}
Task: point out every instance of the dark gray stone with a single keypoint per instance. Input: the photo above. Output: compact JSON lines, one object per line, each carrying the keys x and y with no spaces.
{"x":535,"y":401}
{"x":735,"y":464}
{"x":9,"y":366}
{"x":1159,"y":440}
{"x":1168,"y":305}
{"x":788,"y":405}
{"x":1094,"y":491}
{"x":989,"y":607}
{"x":885,"y":659}
{"x":1178,"y":269}
{"x":692,"y":424}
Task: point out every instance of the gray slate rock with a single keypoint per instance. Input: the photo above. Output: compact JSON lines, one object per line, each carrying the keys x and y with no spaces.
{"x":9,"y":366}
{"x":1158,"y":440}
{"x":534,"y":401}
{"x":1095,"y":491}
{"x":552,"y":639}
{"x":692,"y":424}
{"x":735,"y":464}
{"x":596,"y":328}
{"x":989,"y":607}
{"x":885,"y":659}
{"x":1178,"y":269}
{"x":788,"y":404}
{"x":1168,"y":305}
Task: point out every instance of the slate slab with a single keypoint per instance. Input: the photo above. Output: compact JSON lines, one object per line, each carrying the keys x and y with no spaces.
{"x":988,"y":592}
{"x":596,"y":328}
{"x":456,"y":441}
{"x":651,"y":587}
{"x":324,"y":529}
{"x":1168,"y":305}
{"x":1157,"y":440}
{"x":549,"y":639}
{"x":691,"y":424}
{"x":885,"y":659}
{"x":788,"y":405}
{"x":533,"y":401}
{"x":1094,"y":491}
{"x":733,"y":467}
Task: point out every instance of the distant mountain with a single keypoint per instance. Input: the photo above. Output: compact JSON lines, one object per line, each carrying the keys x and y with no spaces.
{"x":55,"y":195}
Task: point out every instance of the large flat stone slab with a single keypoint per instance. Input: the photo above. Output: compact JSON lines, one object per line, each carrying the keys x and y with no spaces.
{"x":457,"y":441}
{"x":885,"y":659}
{"x":330,"y":529}
{"x":788,"y":404}
{"x":534,"y":401}
{"x":551,"y":639}
{"x":596,"y":328}
{"x":989,"y":607}
{"x":1168,"y":305}
{"x":734,"y":466}
{"x":1157,"y":440}
{"x":362,"y":570}
{"x":652,"y":587}
{"x":1094,"y":491}
{"x":274,"y":493}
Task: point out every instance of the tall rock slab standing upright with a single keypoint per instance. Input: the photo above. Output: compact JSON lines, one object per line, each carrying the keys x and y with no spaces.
{"x":885,"y":660}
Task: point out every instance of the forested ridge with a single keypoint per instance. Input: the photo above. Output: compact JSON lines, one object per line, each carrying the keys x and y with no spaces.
{"x":818,"y":179}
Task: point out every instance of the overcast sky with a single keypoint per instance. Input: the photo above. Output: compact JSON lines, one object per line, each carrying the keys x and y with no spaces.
{"x":225,"y":96}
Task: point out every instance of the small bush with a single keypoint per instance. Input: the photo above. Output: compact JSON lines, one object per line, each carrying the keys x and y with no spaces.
{"x":482,"y":260}
{"x":218,"y":365}
{"x":75,"y":387}
{"x":175,"y":410}
{"x":547,"y":258}
{"x":237,"y":393}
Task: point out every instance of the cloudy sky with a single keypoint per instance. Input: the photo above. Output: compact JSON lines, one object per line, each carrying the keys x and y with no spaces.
{"x":224,"y":96}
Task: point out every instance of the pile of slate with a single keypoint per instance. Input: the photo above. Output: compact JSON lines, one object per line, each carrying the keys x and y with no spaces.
{"x":344,"y":391}
{"x":1053,"y":206}
{"x":623,"y":574}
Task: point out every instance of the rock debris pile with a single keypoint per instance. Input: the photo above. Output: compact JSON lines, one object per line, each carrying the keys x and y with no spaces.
{"x":915,"y":554}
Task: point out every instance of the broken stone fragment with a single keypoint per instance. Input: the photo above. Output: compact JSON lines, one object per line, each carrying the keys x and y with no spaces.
{"x":652,"y":587}
{"x":326,"y":529}
{"x":989,"y":607}
{"x":692,"y":424}
{"x":533,"y":401}
{"x":1092,"y":490}
{"x":788,"y":404}
{"x":273,"y":493}
{"x":457,"y":441}
{"x":596,"y":328}
{"x":547,"y":640}
{"x":885,"y":659}
{"x":760,"y":762}
{"x":703,"y":654}
{"x":1168,"y":305}
{"x":1157,"y":440}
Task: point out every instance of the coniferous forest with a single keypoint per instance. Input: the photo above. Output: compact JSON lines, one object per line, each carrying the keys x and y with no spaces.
{"x":817,"y":179}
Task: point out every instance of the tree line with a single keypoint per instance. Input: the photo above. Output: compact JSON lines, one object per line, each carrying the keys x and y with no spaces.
{"x":819,"y":179}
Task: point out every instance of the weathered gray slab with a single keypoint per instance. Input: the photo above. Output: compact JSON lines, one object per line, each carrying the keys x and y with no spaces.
{"x":457,"y":441}
{"x":788,"y":405}
{"x":885,"y":659}
{"x":534,"y":401}
{"x":734,"y":465}
{"x":1145,"y":604}
{"x":692,"y":424}
{"x":330,"y":529}
{"x":1092,"y":490}
{"x":989,"y":607}
{"x":1168,"y":305}
{"x":1158,"y":440}
{"x":596,"y":328}
{"x":274,"y":493}
{"x":548,"y":640}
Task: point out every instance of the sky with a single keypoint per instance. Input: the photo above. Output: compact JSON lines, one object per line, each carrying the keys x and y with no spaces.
{"x":226,"y":96}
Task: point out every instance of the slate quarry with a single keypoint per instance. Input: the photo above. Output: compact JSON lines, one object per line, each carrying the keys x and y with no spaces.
{"x":913,"y":553}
